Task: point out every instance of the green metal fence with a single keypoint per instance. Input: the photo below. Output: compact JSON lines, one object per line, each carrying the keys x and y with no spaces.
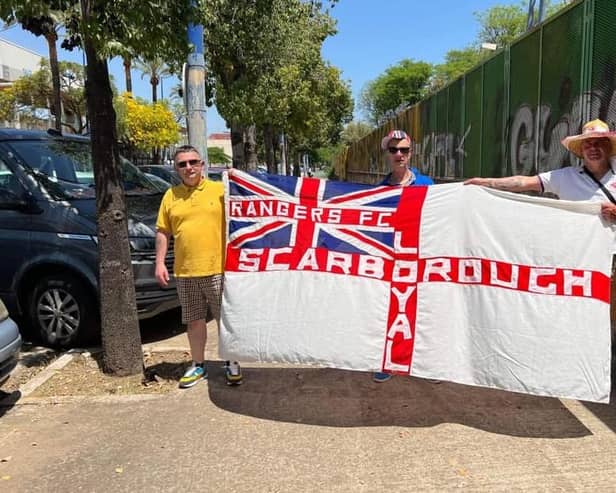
{"x":509,"y":114}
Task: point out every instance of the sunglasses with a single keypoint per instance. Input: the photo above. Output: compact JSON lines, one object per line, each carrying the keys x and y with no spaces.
{"x":403,"y":150}
{"x":192,"y":162}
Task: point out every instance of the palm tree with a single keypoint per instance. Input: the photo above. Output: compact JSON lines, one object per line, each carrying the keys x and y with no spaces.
{"x":47,"y":26}
{"x":156,"y":70}
{"x":127,"y":62}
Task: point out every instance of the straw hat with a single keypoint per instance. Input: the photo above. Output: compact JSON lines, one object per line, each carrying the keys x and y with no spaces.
{"x":595,"y":129}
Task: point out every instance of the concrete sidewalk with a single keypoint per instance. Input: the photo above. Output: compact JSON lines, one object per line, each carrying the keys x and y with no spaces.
{"x":298,"y":429}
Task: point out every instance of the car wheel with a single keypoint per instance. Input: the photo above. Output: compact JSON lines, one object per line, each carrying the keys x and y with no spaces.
{"x":62,"y":311}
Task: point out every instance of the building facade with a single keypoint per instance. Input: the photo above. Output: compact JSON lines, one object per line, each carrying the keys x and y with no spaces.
{"x":15,"y":62}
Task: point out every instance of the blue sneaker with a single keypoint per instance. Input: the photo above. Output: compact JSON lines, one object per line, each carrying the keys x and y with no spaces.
{"x":380,"y":377}
{"x":192,"y":376}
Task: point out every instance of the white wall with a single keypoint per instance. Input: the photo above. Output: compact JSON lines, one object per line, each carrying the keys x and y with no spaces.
{"x":16,"y":61}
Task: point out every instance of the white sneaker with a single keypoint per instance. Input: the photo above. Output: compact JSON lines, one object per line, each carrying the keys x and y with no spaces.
{"x":233,"y":373}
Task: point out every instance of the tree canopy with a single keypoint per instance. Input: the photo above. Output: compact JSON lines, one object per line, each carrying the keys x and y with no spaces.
{"x":502,"y":24}
{"x":146,"y":125}
{"x":397,"y":88}
{"x":32,"y":93}
{"x":355,"y":131}
{"x":456,"y":63}
{"x":266,"y":69}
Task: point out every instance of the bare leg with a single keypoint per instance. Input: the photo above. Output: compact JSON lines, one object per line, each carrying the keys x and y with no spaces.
{"x":197,"y":337}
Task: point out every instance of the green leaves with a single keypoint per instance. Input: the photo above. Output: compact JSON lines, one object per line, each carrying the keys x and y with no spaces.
{"x":457,"y":62}
{"x":502,"y":24}
{"x":398,"y":87}
{"x":264,"y":58}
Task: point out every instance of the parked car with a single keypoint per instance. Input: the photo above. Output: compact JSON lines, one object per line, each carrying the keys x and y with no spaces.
{"x":214,"y":173}
{"x":165,"y":172}
{"x":158,"y":182}
{"x":48,"y":237}
{"x":10,"y":343}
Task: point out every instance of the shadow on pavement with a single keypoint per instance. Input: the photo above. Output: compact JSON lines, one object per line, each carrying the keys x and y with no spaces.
{"x":606,"y":412}
{"x":32,"y":356}
{"x":328,"y":397}
{"x":166,"y":370}
{"x":8,"y":401}
{"x":32,"y":360}
{"x":163,"y":326}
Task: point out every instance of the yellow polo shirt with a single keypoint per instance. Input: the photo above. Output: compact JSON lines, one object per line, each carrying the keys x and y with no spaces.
{"x":195,"y":218}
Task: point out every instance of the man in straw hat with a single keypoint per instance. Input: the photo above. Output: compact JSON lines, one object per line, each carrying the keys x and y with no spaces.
{"x":594,"y":180}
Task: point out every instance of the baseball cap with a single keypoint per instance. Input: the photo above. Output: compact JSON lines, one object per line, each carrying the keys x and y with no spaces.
{"x":394,"y":135}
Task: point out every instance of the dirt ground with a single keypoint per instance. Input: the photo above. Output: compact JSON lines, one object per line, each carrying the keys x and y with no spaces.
{"x":83,"y":376}
{"x":32,"y":360}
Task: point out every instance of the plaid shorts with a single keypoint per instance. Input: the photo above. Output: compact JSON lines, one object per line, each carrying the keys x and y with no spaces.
{"x":196,"y":293}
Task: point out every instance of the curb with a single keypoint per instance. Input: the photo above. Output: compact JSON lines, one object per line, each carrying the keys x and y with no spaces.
{"x":39,"y":379}
{"x":68,"y":399}
{"x":164,"y":349}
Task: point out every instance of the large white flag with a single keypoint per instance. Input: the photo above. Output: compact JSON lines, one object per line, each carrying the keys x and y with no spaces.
{"x":450,"y":282}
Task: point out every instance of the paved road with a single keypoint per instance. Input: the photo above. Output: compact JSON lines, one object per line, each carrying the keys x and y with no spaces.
{"x":298,"y":429}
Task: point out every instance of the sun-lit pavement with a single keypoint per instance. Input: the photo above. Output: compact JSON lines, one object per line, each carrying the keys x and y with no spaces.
{"x":291,"y":429}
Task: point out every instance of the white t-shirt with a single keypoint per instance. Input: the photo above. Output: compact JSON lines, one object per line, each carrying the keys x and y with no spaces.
{"x":572,"y":183}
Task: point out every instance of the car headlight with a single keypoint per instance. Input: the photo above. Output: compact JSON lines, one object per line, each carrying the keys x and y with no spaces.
{"x":4,"y":313}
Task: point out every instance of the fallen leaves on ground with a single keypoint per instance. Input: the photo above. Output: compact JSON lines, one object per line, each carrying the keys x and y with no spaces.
{"x":83,"y":376}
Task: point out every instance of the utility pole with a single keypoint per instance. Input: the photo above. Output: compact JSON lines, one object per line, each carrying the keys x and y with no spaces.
{"x":531,"y":21}
{"x":283,"y":155}
{"x":195,"y":94}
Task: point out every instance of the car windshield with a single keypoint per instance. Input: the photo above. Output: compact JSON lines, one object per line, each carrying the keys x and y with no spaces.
{"x":65,"y":169}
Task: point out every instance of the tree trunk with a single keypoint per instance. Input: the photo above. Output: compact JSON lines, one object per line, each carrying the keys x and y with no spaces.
{"x":251,"y":148}
{"x":268,"y":142}
{"x":237,"y":145}
{"x":127,"y":62}
{"x":296,"y":165}
{"x":156,"y":155}
{"x":52,"y":38}
{"x":154,"y":82}
{"x":121,"y":339}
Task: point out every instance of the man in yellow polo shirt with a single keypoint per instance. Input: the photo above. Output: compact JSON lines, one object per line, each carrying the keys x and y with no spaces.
{"x":193,"y":214}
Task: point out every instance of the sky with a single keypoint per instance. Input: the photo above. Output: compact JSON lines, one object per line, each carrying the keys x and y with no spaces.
{"x":372,"y":36}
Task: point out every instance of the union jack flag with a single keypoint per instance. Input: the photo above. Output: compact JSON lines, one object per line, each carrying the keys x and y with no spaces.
{"x":271,"y":211}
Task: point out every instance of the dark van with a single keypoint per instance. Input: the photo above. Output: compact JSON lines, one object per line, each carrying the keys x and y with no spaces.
{"x":48,"y":242}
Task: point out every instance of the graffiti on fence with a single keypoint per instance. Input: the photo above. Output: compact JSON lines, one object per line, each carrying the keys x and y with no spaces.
{"x":442,"y":154}
{"x":531,"y":132}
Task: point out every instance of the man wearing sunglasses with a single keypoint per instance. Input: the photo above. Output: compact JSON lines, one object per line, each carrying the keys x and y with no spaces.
{"x":193,"y":214}
{"x":397,"y":147}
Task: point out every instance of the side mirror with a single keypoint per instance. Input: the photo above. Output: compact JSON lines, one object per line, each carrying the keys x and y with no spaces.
{"x":9,"y":200}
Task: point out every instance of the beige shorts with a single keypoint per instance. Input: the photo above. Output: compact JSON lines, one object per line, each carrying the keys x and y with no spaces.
{"x":196,"y":293}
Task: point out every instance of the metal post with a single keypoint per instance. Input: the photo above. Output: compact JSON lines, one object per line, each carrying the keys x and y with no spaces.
{"x":283,"y":154}
{"x":195,"y":94}
{"x":530,"y":21}
{"x":541,"y":11}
